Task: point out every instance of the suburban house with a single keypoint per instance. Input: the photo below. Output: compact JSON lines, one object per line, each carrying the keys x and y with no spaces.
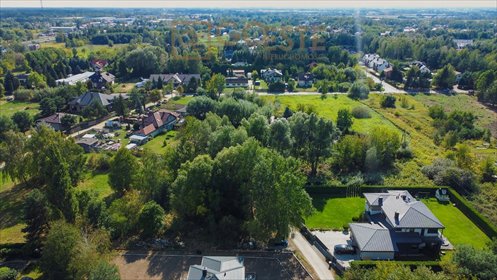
{"x":375,"y":62}
{"x":55,"y":121}
{"x":99,"y":64}
{"x":399,"y":226}
{"x":461,"y":43}
{"x":88,"y":98}
{"x":73,"y":79}
{"x":23,"y":78}
{"x":218,"y":268}
{"x":157,"y":122}
{"x":176,"y":79}
{"x":422,"y":67}
{"x":101,"y":79}
{"x":305,"y":80}
{"x":271,"y":75}
{"x":237,"y":82}
{"x":88,"y":144}
{"x":235,"y":73}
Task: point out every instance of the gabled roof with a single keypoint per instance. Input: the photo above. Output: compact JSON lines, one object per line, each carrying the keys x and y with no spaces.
{"x":373,"y":237}
{"x":101,"y":77}
{"x":54,"y":119}
{"x":147,"y":130}
{"x":305,"y":77}
{"x":176,"y":78}
{"x":90,"y":97}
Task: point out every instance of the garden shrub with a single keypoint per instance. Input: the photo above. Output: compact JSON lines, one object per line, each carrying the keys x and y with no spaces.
{"x":361,"y":112}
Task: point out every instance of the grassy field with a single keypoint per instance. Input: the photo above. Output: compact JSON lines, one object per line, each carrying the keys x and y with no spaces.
{"x":12,"y":202}
{"x":98,"y":183}
{"x":334,"y":213}
{"x":459,"y":229}
{"x":102,"y":51}
{"x":328,"y":108}
{"x":157,"y":144}
{"x":9,"y":108}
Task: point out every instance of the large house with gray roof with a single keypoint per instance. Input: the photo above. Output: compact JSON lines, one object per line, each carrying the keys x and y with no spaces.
{"x":399,"y":226}
{"x":88,"y":98}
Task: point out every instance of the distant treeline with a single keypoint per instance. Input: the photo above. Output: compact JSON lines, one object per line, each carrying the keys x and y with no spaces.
{"x":116,"y":38}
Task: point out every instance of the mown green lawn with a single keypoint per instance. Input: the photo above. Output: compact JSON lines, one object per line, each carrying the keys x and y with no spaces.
{"x":98,"y":183}
{"x":459,"y":229}
{"x":9,"y":108}
{"x":328,"y":108}
{"x":334,"y":213}
{"x":156,"y":145}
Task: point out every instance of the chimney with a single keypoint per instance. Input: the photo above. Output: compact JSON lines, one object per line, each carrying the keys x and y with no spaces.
{"x":380,"y":201}
{"x":396,"y":217}
{"x":204,"y":273}
{"x":403,"y":197}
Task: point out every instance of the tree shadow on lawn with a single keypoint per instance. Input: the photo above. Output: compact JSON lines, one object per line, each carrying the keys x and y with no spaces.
{"x":319,"y":201}
{"x":12,"y":203}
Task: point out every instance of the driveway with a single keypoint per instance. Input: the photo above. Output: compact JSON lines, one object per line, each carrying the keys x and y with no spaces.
{"x":388,"y":87}
{"x":332,"y":238}
{"x":313,"y":257}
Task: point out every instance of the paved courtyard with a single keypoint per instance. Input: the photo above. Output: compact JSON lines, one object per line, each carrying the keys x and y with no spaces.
{"x":332,"y":238}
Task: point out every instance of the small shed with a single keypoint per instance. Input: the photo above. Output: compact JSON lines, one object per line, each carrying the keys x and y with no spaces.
{"x":137,"y":139}
{"x":131,"y":146}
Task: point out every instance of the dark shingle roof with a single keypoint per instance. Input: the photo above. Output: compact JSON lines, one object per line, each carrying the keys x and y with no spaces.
{"x":373,"y":237}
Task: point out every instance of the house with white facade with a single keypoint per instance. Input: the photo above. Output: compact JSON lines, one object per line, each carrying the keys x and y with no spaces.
{"x":375,"y":62}
{"x":271,"y":75}
{"x":399,"y":226}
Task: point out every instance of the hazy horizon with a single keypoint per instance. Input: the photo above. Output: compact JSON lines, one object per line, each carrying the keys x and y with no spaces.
{"x":256,"y":4}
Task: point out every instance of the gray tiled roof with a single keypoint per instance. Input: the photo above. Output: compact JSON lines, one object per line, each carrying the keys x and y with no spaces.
{"x":373,"y":237}
{"x":412,"y":213}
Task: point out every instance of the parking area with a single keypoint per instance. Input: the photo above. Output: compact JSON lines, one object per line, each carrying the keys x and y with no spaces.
{"x":332,"y":238}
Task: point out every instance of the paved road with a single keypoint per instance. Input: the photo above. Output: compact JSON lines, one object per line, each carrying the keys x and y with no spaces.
{"x":388,"y":87}
{"x":315,"y":259}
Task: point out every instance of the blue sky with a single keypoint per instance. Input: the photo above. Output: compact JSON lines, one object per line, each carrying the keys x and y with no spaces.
{"x":255,"y":3}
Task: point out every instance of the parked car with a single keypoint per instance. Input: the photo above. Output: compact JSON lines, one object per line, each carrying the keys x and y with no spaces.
{"x":343,"y":249}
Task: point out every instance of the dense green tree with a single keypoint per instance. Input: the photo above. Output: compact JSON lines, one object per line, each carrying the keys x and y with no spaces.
{"x":10,"y":83}
{"x":123,"y":215}
{"x":14,"y":152}
{"x":488,"y":170}
{"x":151,"y":219}
{"x":124,"y":171}
{"x":121,"y":106}
{"x":312,"y":138}
{"x":445,"y":78}
{"x":37,"y":215}
{"x":280,"y":137}
{"x":236,"y":110}
{"x":359,"y":91}
{"x":104,"y":271}
{"x":6,"y":124}
{"x":94,"y":110}
{"x":59,"y":251}
{"x":472,"y":262}
{"x":344,"y":120}
{"x":23,"y":120}
{"x":257,"y":126}
{"x":388,"y":101}
{"x":60,"y":191}
{"x":216,"y":84}
{"x":36,"y":80}
{"x":45,"y":146}
{"x":200,"y":106}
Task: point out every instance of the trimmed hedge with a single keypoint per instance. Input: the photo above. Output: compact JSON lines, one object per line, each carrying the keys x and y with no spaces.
{"x":433,"y":265}
{"x":341,"y":191}
{"x":479,"y":220}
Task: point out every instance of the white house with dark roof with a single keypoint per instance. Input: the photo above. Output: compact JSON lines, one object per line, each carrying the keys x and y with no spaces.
{"x":399,"y":225}
{"x":271,"y":75}
{"x":218,"y":268}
